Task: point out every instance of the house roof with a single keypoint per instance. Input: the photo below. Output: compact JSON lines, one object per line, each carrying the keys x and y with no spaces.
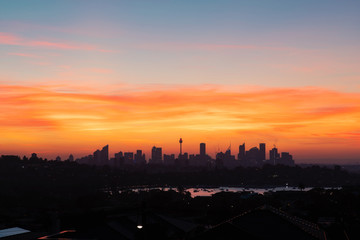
{"x":12,"y":231}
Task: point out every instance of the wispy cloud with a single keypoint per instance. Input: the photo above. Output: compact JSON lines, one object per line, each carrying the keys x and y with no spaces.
{"x":28,"y":55}
{"x":294,"y":115}
{"x":216,"y":47}
{"x":96,"y":28}
{"x":11,"y":39}
{"x":100,"y":70}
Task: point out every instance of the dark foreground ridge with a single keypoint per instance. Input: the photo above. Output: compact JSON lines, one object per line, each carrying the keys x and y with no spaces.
{"x":97,"y":202}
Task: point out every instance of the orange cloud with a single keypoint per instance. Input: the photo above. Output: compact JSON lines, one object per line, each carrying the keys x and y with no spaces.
{"x":306,"y":121}
{"x":10,"y":39}
{"x":60,"y":45}
{"x":100,"y":70}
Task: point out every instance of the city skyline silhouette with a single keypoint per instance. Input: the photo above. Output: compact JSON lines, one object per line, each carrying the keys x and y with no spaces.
{"x":158,"y":119}
{"x":75,"y":76}
{"x":254,"y":156}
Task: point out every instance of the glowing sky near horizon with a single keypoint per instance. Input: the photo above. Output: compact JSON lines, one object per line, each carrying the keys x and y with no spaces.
{"x":76,"y":75}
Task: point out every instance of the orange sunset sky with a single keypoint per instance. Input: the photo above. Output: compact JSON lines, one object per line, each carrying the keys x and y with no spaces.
{"x":77,"y":75}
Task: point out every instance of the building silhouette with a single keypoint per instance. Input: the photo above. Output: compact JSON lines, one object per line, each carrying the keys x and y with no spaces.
{"x":169,"y":159}
{"x":140,"y":158}
{"x":156,"y":155}
{"x":202,"y":149}
{"x":241,"y":155}
{"x":101,"y":157}
{"x":226,"y":159}
{"x":274,"y":156}
{"x":180,"y":142}
{"x":183,"y":160}
{"x":254,"y":157}
{"x":201,"y":159}
{"x":119,"y":159}
{"x":128,"y":158}
{"x":34,"y":157}
{"x":71,"y":158}
{"x":286,"y":159}
{"x":119,"y":155}
{"x":262,"y":153}
{"x":86,"y":160}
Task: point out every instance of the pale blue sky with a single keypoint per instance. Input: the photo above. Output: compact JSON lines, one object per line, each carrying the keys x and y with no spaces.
{"x":266,"y":43}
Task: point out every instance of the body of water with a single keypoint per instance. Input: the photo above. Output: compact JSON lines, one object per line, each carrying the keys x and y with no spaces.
{"x":208,"y":191}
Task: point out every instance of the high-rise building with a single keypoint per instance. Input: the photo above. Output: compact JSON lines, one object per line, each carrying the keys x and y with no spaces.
{"x":262,"y":153}
{"x":241,"y":155}
{"x":86,"y":160}
{"x":286,"y":156}
{"x":169,"y":159}
{"x":226,"y":159}
{"x":128,"y":158}
{"x":97,"y":157}
{"x":156,"y":155}
{"x":119,"y":155}
{"x":105,"y":155}
{"x":286,"y":159}
{"x":101,"y":157}
{"x":202,"y":149}
{"x":252,"y":156}
{"x":119,"y":159}
{"x":274,"y":156}
{"x":105,"y":152}
{"x":139,"y":157}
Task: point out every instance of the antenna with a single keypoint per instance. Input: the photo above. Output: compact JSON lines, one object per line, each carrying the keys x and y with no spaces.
{"x":180,"y":141}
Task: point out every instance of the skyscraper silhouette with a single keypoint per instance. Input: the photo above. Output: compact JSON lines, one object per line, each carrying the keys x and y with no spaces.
{"x":274,"y":156}
{"x":105,"y":154}
{"x":156,"y":155}
{"x":129,"y":158}
{"x":202,"y":149}
{"x":241,"y":155}
{"x":262,"y":154}
{"x":101,"y":157}
{"x":139,"y":157}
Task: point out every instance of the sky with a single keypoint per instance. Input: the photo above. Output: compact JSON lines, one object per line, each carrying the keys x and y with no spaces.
{"x":77,"y":75}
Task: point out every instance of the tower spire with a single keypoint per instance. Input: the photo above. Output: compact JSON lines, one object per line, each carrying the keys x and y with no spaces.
{"x":180,"y":141}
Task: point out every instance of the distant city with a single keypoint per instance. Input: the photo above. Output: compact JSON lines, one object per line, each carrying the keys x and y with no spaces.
{"x":255,"y":156}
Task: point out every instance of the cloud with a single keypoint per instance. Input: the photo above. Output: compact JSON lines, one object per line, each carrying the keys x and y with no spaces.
{"x":215,"y":47}
{"x":93,"y":29}
{"x":28,"y":55}
{"x":100,"y":70}
{"x":10,"y":39}
{"x":292,"y":115}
